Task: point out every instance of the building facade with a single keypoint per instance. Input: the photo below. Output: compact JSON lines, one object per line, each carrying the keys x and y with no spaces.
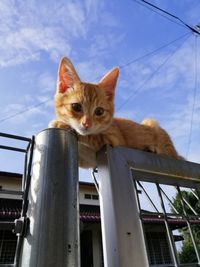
{"x":90,"y":225}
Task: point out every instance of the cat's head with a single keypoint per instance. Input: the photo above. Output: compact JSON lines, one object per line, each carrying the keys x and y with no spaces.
{"x":87,"y":108}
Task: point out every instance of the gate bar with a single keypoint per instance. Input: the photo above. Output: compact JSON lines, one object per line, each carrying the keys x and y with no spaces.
{"x":53,"y":235}
{"x":122,"y":234}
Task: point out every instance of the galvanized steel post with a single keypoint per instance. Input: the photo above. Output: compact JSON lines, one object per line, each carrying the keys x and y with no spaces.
{"x":123,"y":241}
{"x":121,"y":215}
{"x":53,"y":234}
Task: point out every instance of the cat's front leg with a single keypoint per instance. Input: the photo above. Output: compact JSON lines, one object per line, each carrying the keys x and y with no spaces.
{"x":87,"y":157}
{"x":94,"y":142}
{"x":58,"y":124}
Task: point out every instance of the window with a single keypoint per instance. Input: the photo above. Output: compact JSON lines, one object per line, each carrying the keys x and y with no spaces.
{"x":96,"y":197}
{"x":158,"y":248}
{"x":91,"y":196}
{"x":8,"y":242}
{"x":88,"y":196}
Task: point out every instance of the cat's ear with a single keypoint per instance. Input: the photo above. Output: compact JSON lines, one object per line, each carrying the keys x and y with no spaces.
{"x":67,"y":76}
{"x":109,"y":81}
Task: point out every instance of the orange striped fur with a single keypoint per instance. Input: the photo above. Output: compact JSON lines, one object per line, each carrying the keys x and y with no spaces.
{"x":88,"y":109}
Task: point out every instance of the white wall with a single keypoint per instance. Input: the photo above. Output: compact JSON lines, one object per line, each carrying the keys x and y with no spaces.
{"x":8,"y":183}
{"x":88,"y":190}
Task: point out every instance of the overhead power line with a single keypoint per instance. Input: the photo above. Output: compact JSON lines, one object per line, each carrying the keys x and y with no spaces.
{"x":133,"y":93}
{"x":25,"y":110}
{"x":121,"y":67}
{"x":193,"y":29}
{"x":153,"y":52}
{"x":159,"y":13}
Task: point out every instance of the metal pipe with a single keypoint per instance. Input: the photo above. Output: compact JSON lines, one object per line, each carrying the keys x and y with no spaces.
{"x":22,"y":138}
{"x":149,"y":198}
{"x":26,"y":185}
{"x":171,"y":203}
{"x":169,"y":233}
{"x":122,"y":234}
{"x":53,"y":235}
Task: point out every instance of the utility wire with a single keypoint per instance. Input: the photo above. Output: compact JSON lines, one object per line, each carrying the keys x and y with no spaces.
{"x":121,"y":67}
{"x":153,"y":52}
{"x":169,"y":14}
{"x":159,"y":13}
{"x":133,"y":93}
{"x":195,"y":30}
{"x":194,"y":97}
{"x":25,"y":110}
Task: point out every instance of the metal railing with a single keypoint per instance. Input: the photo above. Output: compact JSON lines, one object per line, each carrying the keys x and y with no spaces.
{"x":52,"y":238}
{"x":19,"y":225}
{"x":122,"y":174}
{"x":48,"y":230}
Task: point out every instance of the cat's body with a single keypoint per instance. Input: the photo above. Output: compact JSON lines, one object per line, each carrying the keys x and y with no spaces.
{"x":88,"y":109}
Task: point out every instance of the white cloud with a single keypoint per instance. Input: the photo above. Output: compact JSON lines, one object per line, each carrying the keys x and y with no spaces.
{"x":161,"y":72}
{"x":27,"y":30}
{"x":46,"y":82}
{"x":30,"y":29}
{"x":103,"y":43}
{"x":173,"y":87}
{"x":90,"y":71}
{"x":29,"y":111}
{"x":179,"y":121}
{"x":20,"y":113}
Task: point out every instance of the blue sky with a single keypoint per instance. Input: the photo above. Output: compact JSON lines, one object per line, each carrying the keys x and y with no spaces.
{"x":98,"y":35}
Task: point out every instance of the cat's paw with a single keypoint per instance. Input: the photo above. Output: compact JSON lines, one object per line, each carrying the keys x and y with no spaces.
{"x":58,"y":124}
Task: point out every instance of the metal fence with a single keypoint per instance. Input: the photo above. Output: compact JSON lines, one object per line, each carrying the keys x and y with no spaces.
{"x":48,"y":230}
{"x":124,"y":179}
{"x":52,"y":238}
{"x":20,"y":225}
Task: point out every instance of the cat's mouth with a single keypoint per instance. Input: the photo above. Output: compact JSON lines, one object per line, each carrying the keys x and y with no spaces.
{"x":87,"y":131}
{"x":93,"y":130}
{"x":83,"y":131}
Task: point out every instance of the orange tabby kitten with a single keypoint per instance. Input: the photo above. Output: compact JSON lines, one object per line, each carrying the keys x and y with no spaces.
{"x":88,"y":109}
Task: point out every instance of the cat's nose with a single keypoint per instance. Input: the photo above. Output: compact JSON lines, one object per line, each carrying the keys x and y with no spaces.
{"x":87,"y":123}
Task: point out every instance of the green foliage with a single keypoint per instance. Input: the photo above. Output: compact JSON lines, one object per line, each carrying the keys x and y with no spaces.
{"x":187,"y":253}
{"x":191,"y":199}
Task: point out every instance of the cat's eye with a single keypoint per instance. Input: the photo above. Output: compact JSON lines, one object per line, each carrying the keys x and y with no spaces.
{"x":77,"y":107}
{"x":99,"y":111}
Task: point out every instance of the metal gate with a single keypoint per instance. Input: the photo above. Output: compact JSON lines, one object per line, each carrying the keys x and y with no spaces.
{"x":48,"y":231}
{"x":122,"y":174}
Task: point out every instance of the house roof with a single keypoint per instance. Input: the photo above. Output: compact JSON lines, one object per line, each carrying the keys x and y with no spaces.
{"x":90,"y":213}
{"x":90,"y":217}
{"x":11,"y":209}
{"x":174,"y":222}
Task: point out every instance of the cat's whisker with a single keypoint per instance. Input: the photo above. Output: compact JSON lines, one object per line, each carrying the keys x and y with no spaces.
{"x":88,"y":109}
